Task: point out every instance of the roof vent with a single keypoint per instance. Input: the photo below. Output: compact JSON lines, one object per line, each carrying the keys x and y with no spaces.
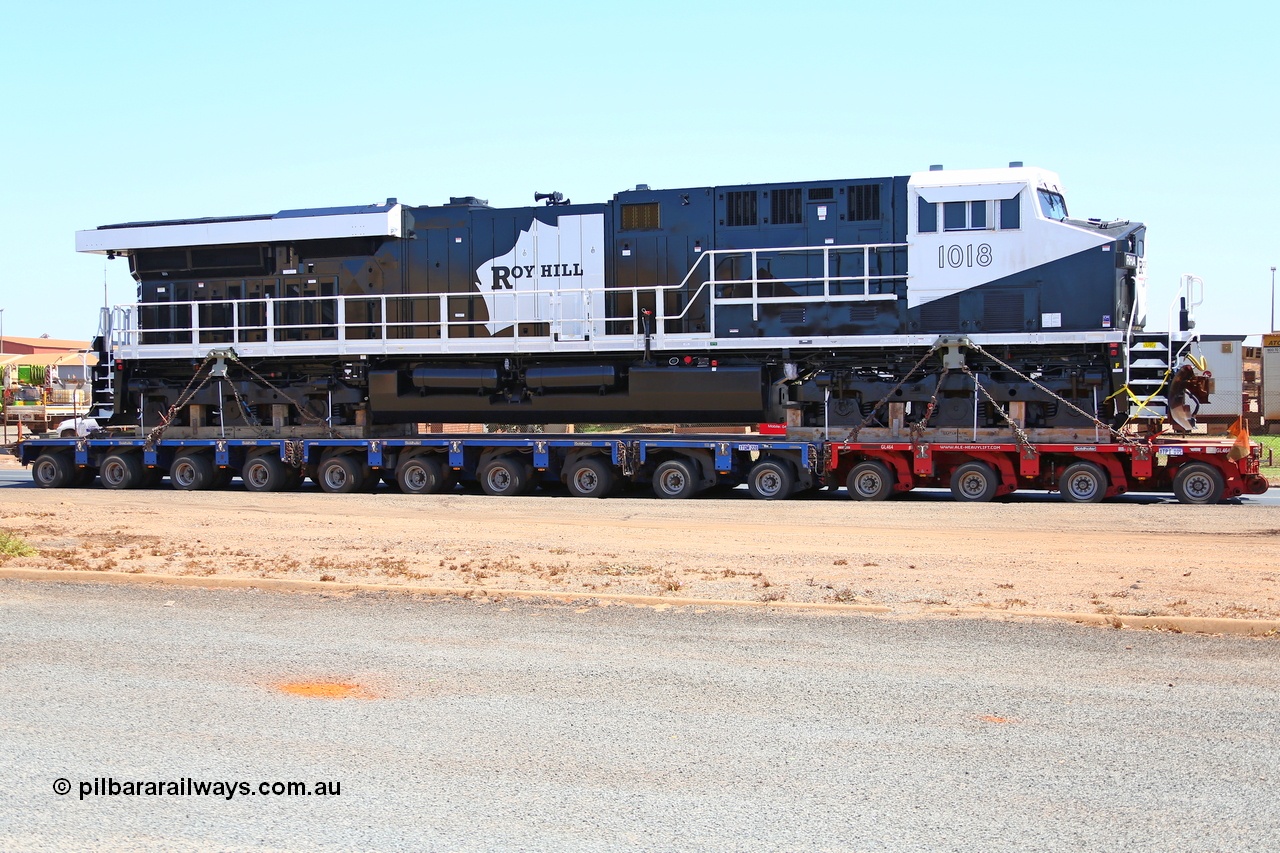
{"x":936,"y":168}
{"x":391,"y":202}
{"x":641,"y":187}
{"x":1015,"y":164}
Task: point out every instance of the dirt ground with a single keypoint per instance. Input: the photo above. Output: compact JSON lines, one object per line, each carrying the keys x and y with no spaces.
{"x":910,"y":556}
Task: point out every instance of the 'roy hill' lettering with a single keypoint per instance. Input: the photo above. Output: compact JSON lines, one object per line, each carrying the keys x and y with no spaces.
{"x":502,"y":276}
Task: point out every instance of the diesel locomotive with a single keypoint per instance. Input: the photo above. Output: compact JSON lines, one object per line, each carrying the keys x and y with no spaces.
{"x":808,"y":302}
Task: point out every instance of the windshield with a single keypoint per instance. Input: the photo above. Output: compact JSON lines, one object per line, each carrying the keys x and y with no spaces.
{"x":1052,"y":205}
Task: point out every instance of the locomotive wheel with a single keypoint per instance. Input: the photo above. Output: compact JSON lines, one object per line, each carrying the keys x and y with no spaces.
{"x":53,"y":471}
{"x":591,"y":477}
{"x":420,"y":475}
{"x":1083,"y":482}
{"x":1198,"y":483}
{"x":504,"y":476}
{"x":870,"y":481}
{"x":191,"y":472}
{"x":121,"y":471}
{"x":264,"y":473}
{"x":675,"y":478}
{"x":341,"y":474}
{"x":770,"y":480}
{"x":975,"y":482}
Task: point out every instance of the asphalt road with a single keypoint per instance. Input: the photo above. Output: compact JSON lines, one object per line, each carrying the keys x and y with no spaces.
{"x":519,"y":726}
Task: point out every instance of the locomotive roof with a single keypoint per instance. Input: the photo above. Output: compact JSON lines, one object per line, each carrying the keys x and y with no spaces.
{"x":306,"y":224}
{"x":385,"y":219}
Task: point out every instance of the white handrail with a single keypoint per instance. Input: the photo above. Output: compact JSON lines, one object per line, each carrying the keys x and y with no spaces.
{"x":127,"y":327}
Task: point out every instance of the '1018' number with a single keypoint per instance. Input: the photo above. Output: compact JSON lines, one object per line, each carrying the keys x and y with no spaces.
{"x":964,"y":256}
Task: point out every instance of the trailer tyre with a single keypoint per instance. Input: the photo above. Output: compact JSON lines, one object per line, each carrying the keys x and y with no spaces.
{"x":503,"y":477}
{"x":265,"y":473}
{"x":770,"y":480}
{"x":1198,"y":483}
{"x":420,"y":475}
{"x":341,"y":475}
{"x":121,"y":471}
{"x":870,"y":481}
{"x":53,"y":471}
{"x":191,"y":472}
{"x":85,"y":477}
{"x":1083,"y":482}
{"x":591,"y":478}
{"x":675,"y":478}
{"x":974,"y":482}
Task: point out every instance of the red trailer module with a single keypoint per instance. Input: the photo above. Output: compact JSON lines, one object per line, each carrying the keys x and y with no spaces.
{"x":1197,"y":471}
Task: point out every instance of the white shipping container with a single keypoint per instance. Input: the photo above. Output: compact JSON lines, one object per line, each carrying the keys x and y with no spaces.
{"x":1271,"y":378}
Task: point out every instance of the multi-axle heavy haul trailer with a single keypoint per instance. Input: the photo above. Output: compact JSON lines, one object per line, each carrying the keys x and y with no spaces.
{"x":674,"y":466}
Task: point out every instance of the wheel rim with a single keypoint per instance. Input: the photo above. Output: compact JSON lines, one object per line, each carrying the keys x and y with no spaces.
{"x":973,"y":484}
{"x":586,"y":480}
{"x":1084,"y":486}
{"x":112,"y":473}
{"x":868,"y":484}
{"x":256,"y":474}
{"x":46,"y":471}
{"x":183,"y":474}
{"x":335,"y":477}
{"x":769,"y":482}
{"x":498,"y":478}
{"x":673,"y":481}
{"x":415,"y":477}
{"x":1199,"y":486}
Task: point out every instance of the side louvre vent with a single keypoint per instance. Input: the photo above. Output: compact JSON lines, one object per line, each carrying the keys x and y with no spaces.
{"x":740,"y":208}
{"x":640,"y":217}
{"x":862,"y":313}
{"x":821,"y":194}
{"x":864,"y":203}
{"x":1003,"y":311}
{"x":793,"y":316}
{"x":942,"y":315}
{"x":788,"y":207}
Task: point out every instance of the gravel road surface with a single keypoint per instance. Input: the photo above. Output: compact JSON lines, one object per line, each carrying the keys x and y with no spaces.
{"x":1119,"y":559}
{"x":482,"y":726}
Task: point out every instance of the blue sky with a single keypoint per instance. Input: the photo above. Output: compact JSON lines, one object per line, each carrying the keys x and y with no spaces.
{"x":1162,"y":112}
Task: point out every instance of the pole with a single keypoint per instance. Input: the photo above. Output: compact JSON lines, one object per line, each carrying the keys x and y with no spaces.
{"x":1273,"y":300}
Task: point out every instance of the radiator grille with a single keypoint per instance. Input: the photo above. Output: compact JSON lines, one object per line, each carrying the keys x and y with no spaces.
{"x":788,"y":207}
{"x":864,"y":203}
{"x":740,"y":208}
